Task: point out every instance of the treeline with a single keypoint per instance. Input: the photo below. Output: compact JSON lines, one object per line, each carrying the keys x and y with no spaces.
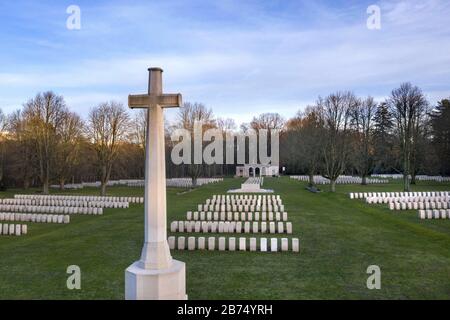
{"x":345,"y":134}
{"x":45,"y":143}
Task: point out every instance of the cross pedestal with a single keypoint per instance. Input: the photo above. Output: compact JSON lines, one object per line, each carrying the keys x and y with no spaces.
{"x":156,"y":276}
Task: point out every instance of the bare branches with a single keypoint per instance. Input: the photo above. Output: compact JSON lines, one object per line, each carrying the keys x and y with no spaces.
{"x":408,"y":106}
{"x":107,"y":127}
{"x":268,"y":121}
{"x":43,"y":118}
{"x":70,"y":134}
{"x":335,"y":112}
{"x":362,"y":123}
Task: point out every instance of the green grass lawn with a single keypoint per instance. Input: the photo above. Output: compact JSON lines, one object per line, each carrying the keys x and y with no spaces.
{"x":339,"y":239}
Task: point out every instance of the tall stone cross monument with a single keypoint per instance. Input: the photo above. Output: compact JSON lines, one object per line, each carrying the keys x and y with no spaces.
{"x":156,"y":276}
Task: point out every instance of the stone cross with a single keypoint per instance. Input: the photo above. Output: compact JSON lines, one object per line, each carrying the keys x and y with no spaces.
{"x":156,"y":275}
{"x":155,"y":254}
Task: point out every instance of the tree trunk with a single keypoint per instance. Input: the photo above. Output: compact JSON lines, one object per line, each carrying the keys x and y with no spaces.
{"x":103,"y":180}
{"x":413,"y":177}
{"x":406,"y":185}
{"x":45,"y":187}
{"x":406,"y":167}
{"x":333,"y":185}
{"x":364,"y":180}
{"x":103,"y":188}
{"x":46,"y":178}
{"x":61,"y":184}
{"x":311,"y":179}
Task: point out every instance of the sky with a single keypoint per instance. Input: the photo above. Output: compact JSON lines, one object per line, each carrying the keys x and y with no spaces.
{"x":238,"y":57}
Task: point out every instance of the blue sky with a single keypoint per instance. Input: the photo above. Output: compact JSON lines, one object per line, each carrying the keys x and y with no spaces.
{"x":239,"y":57}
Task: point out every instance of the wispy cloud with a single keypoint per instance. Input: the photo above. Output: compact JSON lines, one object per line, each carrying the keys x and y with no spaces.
{"x":240,"y":58}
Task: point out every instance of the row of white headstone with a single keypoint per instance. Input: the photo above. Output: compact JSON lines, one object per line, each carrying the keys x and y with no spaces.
{"x":240,"y":208}
{"x":387,"y":176}
{"x":81,"y":198}
{"x":248,"y":198}
{"x":178,"y":182}
{"x":38,"y":218}
{"x":255,"y":180}
{"x":230,"y":227}
{"x":95,"y":184}
{"x":252,"y":184}
{"x":432,"y":178}
{"x":386,"y":200}
{"x":173,"y":182}
{"x":231,"y":202}
{"x":66,"y":203}
{"x":418,"y":177}
{"x":424,"y":194}
{"x":236,"y":216}
{"x":13,"y":229}
{"x":434,"y":214}
{"x":68,"y":186}
{"x":418,"y":205}
{"x":187,"y":182}
{"x":50,"y":209}
{"x":437,"y":201}
{"x":340,"y":180}
{"x":243,"y":244}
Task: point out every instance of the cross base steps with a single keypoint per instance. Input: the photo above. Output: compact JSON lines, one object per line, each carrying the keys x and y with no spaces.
{"x":163,"y":284}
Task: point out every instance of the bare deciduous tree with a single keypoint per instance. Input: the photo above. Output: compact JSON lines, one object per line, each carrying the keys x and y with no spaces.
{"x":108,"y":123}
{"x":269,"y":121}
{"x":227,"y":127}
{"x":138,"y":133}
{"x":188,"y":115}
{"x":23,"y":148}
{"x":408,"y":106}
{"x":139,"y":129}
{"x":304,"y":136}
{"x":335,"y":113}
{"x":3,"y":139}
{"x":362,"y":122}
{"x":44,"y":115}
{"x":70,"y":137}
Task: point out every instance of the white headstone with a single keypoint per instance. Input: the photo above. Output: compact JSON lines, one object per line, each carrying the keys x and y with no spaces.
{"x":171,"y":241}
{"x":238,"y":227}
{"x":191,"y":243}
{"x":263,"y":244}
{"x":295,"y":245}
{"x":272,"y":227}
{"x":211,"y":243}
{"x":263,"y":227}
{"x":222,"y":244}
{"x":280,"y":227}
{"x":181,"y":243}
{"x":18,"y":229}
{"x":242,"y":244}
{"x":247,"y":227}
{"x":232,"y":244}
{"x":252,"y":244}
{"x":273,"y":244}
{"x":284,"y":244}
{"x":201,"y":243}
{"x":289,"y":227}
